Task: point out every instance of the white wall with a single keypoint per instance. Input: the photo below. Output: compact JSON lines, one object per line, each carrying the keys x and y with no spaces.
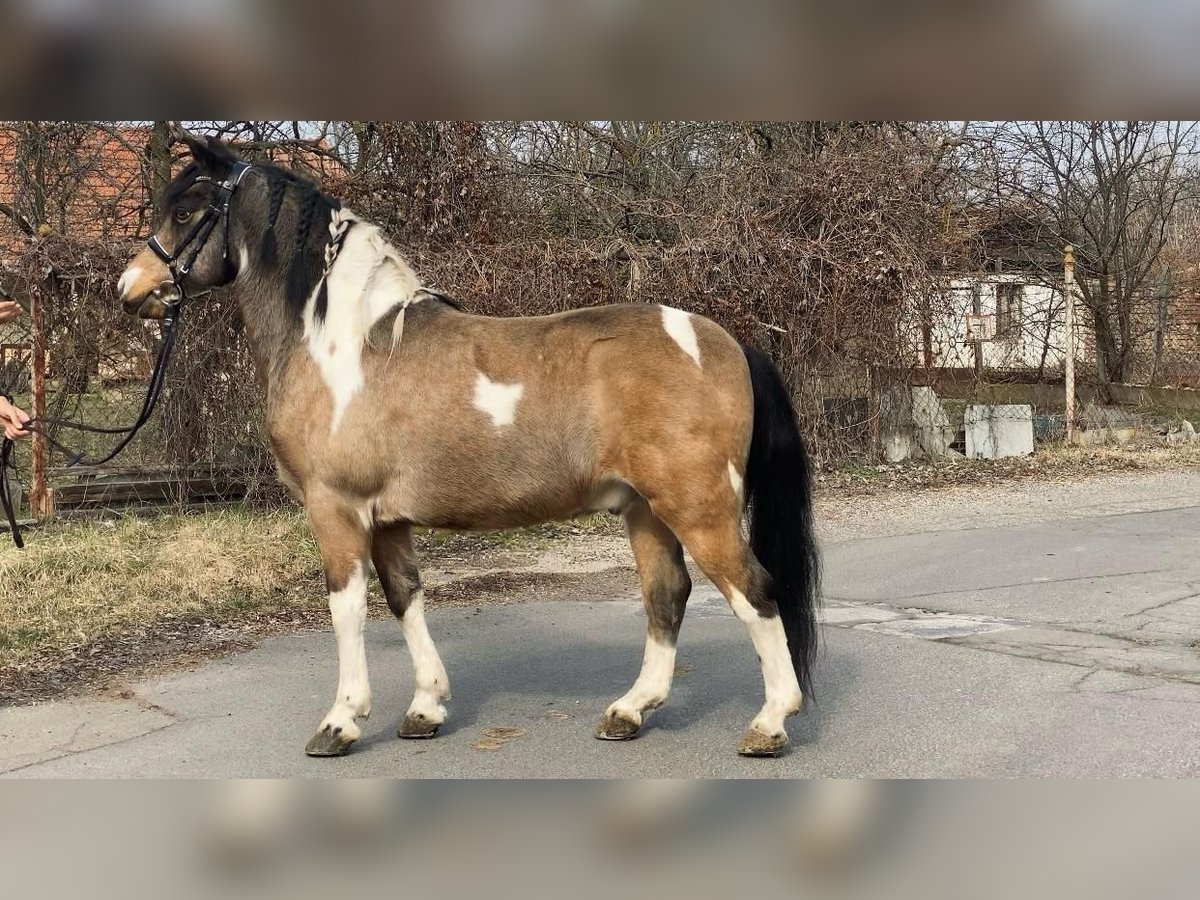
{"x":1041,"y":306}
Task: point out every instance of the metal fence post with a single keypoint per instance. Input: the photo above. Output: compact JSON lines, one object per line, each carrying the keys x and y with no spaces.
{"x":39,"y":494}
{"x":1069,"y":361}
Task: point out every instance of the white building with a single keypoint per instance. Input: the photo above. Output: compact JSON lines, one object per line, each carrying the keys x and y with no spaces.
{"x":1019,"y":321}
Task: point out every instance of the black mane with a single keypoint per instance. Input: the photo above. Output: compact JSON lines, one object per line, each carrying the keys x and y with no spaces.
{"x":314,"y":210}
{"x":179,"y":186}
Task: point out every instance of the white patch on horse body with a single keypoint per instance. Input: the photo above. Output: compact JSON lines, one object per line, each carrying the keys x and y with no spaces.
{"x":366,"y":515}
{"x":652,"y":685}
{"x":783,"y":697}
{"x":678,"y":325}
{"x":735,"y":479}
{"x":368,"y":279}
{"x":498,"y":401}
{"x":432,"y":682}
{"x":348,"y":609}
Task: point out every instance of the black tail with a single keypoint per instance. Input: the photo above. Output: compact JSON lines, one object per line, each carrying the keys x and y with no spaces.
{"x":779,"y":494}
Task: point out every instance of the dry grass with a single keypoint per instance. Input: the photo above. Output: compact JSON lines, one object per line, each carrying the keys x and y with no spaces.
{"x":79,"y":582}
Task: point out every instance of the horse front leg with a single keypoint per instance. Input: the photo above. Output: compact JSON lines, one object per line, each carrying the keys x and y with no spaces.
{"x":396,"y":562}
{"x":344,"y":544}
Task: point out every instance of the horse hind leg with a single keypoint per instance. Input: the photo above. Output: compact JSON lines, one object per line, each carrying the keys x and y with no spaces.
{"x":665,"y":587}
{"x":396,"y":563}
{"x":722,"y":552}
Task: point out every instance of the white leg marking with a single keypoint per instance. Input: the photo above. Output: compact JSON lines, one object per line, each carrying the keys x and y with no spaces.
{"x":498,"y":401}
{"x":432,"y":683}
{"x":735,"y":479}
{"x":653,"y":682}
{"x":348,"y":608}
{"x":679,"y":326}
{"x":783,"y":695}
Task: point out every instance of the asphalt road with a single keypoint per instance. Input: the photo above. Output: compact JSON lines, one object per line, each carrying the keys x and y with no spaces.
{"x":1058,"y":648}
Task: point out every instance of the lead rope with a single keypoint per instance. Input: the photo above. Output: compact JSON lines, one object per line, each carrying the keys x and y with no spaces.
{"x":6,"y":494}
{"x":195,"y":240}
{"x":75,"y":458}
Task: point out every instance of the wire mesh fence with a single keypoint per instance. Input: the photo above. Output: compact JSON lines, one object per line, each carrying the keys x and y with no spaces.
{"x":858,"y":255}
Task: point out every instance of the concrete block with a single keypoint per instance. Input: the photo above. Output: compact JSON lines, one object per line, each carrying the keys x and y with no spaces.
{"x":898,"y":446}
{"x":931,"y":425}
{"x":1183,"y":433}
{"x":1101,"y":437}
{"x":996,"y":432}
{"x":913,"y":423}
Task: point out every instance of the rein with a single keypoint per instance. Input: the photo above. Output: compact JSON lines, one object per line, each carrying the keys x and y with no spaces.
{"x":196,"y":239}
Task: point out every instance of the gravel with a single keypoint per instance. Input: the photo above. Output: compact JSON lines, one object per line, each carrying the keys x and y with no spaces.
{"x":979,"y":505}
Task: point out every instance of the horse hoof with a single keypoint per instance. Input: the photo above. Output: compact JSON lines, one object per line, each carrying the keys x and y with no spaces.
{"x":755,"y":743}
{"x":329,"y":742}
{"x":417,"y":727}
{"x":617,"y":728}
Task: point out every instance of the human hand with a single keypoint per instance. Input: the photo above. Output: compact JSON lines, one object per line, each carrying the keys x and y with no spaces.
{"x":13,"y":418}
{"x":9,"y":310}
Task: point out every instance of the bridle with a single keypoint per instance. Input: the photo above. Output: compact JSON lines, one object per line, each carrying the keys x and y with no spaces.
{"x":179,"y":263}
{"x":217,"y":212}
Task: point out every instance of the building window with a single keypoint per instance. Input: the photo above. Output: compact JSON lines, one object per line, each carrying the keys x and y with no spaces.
{"x":1008,"y":310}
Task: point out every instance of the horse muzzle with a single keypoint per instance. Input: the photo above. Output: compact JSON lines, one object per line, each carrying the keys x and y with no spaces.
{"x":155,"y":304}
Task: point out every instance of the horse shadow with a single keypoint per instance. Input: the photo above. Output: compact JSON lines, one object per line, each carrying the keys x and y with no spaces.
{"x":576,"y":676}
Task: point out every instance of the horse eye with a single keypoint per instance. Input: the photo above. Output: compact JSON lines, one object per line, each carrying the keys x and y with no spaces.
{"x":182,"y":214}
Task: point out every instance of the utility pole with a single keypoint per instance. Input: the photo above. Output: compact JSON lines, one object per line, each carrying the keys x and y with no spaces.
{"x":41,"y":503}
{"x":1069,"y":361}
{"x":976,"y":343}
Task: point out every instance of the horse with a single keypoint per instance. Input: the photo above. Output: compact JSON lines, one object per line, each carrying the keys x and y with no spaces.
{"x":389,"y":408}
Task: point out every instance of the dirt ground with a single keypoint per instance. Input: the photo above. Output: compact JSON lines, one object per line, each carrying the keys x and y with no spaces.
{"x":592,"y":560}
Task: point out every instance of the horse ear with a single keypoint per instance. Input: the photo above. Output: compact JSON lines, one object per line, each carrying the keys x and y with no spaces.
{"x":221,"y":151}
{"x":198,"y":149}
{"x":210,"y":153}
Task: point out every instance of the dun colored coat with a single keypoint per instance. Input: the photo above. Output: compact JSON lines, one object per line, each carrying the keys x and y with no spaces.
{"x":389,"y":407}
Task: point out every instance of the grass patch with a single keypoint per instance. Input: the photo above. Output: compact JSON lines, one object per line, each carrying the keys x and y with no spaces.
{"x":79,"y":582}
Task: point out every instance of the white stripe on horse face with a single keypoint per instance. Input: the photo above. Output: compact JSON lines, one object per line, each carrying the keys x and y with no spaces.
{"x":368,"y":279}
{"x":496,"y":400}
{"x":678,"y":325}
{"x":128,"y":278}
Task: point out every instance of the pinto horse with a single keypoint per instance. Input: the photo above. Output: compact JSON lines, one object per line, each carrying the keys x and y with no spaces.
{"x":389,"y":407}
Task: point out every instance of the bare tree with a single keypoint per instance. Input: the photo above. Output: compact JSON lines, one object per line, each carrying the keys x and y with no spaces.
{"x":1112,"y":189}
